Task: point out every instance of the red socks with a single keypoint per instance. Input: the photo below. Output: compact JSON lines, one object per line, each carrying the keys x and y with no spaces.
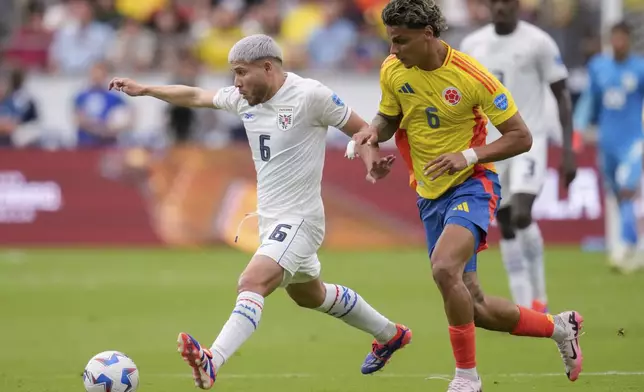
{"x":463,"y":337}
{"x":534,"y":324}
{"x":463,"y":340}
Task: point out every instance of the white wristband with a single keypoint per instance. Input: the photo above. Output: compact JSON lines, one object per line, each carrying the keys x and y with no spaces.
{"x":351,"y":150}
{"x":470,"y":156}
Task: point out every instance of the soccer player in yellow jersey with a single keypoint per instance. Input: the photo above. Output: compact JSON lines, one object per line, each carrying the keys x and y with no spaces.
{"x":438,"y":101}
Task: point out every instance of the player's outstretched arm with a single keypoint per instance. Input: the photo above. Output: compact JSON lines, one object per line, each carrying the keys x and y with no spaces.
{"x":177,"y":95}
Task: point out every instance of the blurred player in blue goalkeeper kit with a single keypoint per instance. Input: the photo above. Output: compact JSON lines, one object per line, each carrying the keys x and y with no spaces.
{"x":614,"y":98}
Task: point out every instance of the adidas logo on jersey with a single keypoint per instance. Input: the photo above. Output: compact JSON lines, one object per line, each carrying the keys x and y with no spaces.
{"x":406,"y":89}
{"x":462,"y":207}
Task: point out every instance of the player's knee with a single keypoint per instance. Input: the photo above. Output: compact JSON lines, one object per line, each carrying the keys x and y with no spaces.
{"x":262,"y":276}
{"x":522,"y":210}
{"x":504,"y":219}
{"x":247,"y":282}
{"x":446,"y":272}
{"x":522,"y":219}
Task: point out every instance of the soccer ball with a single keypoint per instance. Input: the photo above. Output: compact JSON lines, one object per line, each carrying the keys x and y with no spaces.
{"x":111,"y":371}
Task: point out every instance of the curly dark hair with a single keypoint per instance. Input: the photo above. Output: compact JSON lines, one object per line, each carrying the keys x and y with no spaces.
{"x":415,"y":14}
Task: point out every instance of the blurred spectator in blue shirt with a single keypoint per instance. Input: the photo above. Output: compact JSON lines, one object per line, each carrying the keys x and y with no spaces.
{"x":22,"y":99}
{"x":80,"y":44}
{"x":9,"y":115}
{"x":101,"y":114}
{"x":331,"y":45}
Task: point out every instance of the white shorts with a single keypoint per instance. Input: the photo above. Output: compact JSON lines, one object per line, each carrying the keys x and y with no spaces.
{"x":293,"y":243}
{"x":524,"y":173}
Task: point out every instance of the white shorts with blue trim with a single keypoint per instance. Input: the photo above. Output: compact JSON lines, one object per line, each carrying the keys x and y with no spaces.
{"x":293,"y":243}
{"x":525,"y":173}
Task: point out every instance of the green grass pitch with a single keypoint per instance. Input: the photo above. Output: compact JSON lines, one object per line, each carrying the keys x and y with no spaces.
{"x":60,"y":307}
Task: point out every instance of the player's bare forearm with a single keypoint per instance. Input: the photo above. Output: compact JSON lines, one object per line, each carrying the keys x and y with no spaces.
{"x":354,"y":124}
{"x":385,"y":125}
{"x":369,"y":154}
{"x":179,"y":95}
{"x":515,"y":139}
{"x":564,"y":102}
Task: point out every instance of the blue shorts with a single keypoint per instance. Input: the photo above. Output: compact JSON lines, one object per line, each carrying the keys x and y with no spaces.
{"x":621,"y":171}
{"x":472,"y":204}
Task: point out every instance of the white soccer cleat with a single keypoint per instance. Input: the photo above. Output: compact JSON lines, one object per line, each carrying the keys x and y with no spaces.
{"x":460,"y":384}
{"x":633,"y":262}
{"x":569,"y":347}
{"x":626,"y":260}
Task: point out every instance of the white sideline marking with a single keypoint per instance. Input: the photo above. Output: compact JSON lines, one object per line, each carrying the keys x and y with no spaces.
{"x":447,"y":377}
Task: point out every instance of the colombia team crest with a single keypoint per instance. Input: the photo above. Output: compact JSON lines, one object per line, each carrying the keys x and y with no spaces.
{"x":285,"y":118}
{"x":452,"y":96}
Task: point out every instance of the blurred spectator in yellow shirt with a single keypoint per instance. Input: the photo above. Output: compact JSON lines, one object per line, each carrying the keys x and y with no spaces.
{"x":139,"y":9}
{"x":213,"y":48}
{"x":301,"y":21}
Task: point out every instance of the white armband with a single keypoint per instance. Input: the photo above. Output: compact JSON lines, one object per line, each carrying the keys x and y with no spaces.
{"x":470,"y":156}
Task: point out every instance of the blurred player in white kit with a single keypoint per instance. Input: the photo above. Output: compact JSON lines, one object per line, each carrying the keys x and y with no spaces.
{"x":528,"y":62}
{"x":286,"y":119}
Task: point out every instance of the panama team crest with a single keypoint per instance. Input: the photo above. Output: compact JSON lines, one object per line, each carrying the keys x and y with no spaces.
{"x":452,"y":96}
{"x":285,"y":118}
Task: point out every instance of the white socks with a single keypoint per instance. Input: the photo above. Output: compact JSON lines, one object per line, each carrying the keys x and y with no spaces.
{"x":240,"y":326}
{"x":343,"y":303}
{"x":340,"y":302}
{"x":518,"y":275}
{"x":560,"y":333}
{"x":468,"y":374}
{"x":531,"y":242}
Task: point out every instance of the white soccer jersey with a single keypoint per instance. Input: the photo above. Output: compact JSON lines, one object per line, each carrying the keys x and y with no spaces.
{"x":287,"y":136}
{"x":527,"y":62}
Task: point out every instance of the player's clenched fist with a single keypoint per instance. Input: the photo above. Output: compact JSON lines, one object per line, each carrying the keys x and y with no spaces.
{"x":446,"y":163}
{"x":128,"y":86}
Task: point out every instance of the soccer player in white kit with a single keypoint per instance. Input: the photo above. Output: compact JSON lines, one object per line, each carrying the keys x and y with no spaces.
{"x":286,"y":119}
{"x":528,"y":62}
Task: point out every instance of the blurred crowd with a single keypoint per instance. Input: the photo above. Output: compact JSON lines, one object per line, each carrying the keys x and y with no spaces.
{"x":94,"y":38}
{"x":153,"y":35}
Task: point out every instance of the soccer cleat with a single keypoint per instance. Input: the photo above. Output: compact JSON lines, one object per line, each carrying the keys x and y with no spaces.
{"x":200,"y":359}
{"x":569,"y":347}
{"x":539,"y":307}
{"x":381,"y":353}
{"x":460,"y":384}
{"x":625,"y":260}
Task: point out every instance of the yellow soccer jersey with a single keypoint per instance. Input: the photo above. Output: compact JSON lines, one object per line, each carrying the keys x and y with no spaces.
{"x":445,"y":110}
